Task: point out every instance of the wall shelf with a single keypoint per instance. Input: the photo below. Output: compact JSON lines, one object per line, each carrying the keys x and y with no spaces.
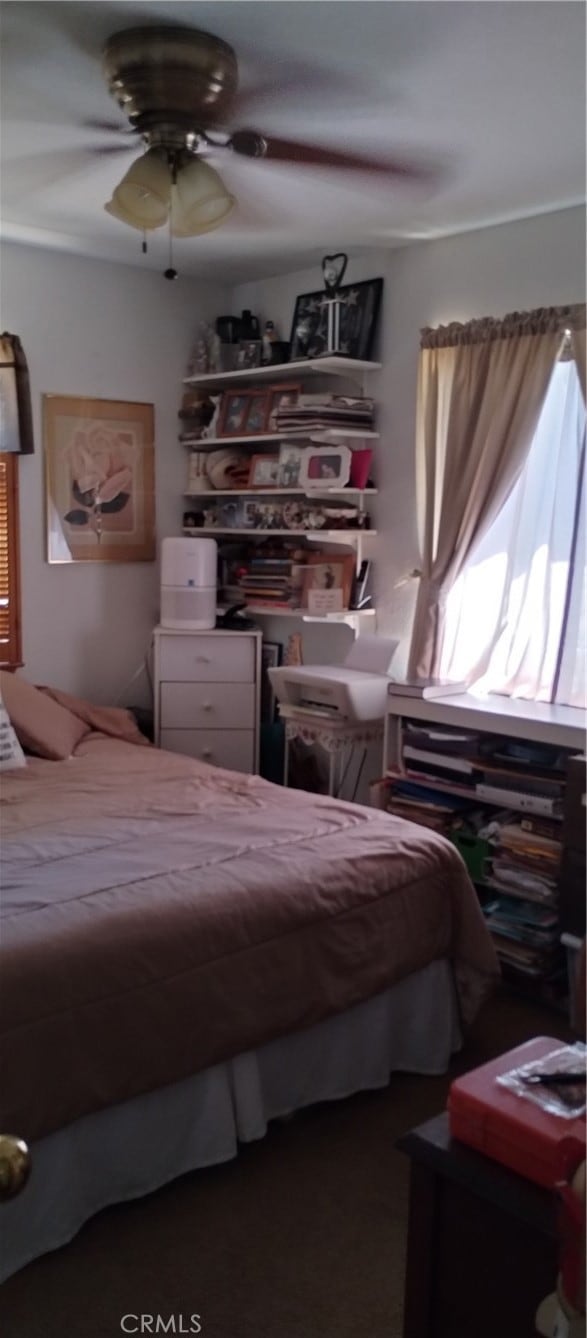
{"x":287,"y":371}
{"x":285,"y":492}
{"x":329,"y":434}
{"x":349,"y":617}
{"x":332,"y":536}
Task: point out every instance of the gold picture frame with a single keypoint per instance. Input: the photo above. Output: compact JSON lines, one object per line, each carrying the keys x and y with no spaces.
{"x":99,"y":480}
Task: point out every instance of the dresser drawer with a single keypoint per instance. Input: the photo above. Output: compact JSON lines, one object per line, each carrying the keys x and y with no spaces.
{"x":204,"y":659}
{"x":230,"y":748}
{"x":207,"y":705}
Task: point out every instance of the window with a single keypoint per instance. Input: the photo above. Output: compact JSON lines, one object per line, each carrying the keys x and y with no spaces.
{"x":515,"y":617}
{"x":10,"y":645}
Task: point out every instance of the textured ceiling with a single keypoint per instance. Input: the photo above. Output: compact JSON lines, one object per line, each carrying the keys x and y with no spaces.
{"x":492,"y":93}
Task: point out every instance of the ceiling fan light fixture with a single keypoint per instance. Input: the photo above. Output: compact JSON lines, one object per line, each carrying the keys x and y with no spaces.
{"x":200,"y":200}
{"x":114,"y":208}
{"x":143,"y":197}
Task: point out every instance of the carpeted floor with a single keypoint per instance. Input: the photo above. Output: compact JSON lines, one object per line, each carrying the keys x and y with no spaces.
{"x":302,"y":1236}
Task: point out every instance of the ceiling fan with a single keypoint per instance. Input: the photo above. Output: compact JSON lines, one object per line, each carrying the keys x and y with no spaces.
{"x":178,"y":86}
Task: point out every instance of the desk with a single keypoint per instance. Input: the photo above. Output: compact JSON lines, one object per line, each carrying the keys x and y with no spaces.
{"x":338,"y":738}
{"x":482,"y":1249}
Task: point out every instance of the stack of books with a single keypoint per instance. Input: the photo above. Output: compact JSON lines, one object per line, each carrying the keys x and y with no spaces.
{"x":268,"y":582}
{"x":316,"y":412}
{"x":523,"y":918}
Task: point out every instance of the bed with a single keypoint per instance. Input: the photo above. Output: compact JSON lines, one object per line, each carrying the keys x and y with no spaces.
{"x":188,"y":952}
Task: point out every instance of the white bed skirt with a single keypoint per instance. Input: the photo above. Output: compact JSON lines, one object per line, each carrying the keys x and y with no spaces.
{"x":129,"y":1150}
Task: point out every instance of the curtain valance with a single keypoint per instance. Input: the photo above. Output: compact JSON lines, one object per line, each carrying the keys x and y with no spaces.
{"x":544,"y":320}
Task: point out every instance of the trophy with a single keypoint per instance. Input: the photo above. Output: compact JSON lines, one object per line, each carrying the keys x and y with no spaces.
{"x":333,"y":268}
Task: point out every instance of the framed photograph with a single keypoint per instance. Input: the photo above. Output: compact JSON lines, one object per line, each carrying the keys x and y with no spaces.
{"x":328,"y":582}
{"x":290,"y":464}
{"x":258,"y":413}
{"x":271,"y":655}
{"x":325,"y":467}
{"x":249,"y":353}
{"x":358,"y":321}
{"x":100,"y":480}
{"x":281,"y":397}
{"x":234,"y":407}
{"x":264,"y":471}
{"x":263,"y":516}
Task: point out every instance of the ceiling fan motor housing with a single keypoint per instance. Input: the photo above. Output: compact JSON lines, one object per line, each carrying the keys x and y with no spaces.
{"x":171,"y":79}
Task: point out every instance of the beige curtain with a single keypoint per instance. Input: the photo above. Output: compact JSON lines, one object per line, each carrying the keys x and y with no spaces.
{"x":579,"y":353}
{"x":481,"y":387}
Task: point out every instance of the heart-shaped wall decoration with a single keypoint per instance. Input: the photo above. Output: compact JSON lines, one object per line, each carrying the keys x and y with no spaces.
{"x":333,"y":268}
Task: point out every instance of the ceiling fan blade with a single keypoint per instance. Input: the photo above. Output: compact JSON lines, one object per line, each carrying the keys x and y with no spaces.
{"x":253,"y":145}
{"x":107,"y":150}
{"x":106,"y":127}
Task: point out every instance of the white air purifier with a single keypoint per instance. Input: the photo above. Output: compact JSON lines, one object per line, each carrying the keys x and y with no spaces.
{"x":188,"y":584}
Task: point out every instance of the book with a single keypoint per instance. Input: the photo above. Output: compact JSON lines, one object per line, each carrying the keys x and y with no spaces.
{"x":427,"y":689}
{"x":532,"y":803}
{"x":442,"y":760}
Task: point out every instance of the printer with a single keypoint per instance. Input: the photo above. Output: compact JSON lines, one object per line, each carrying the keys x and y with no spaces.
{"x":353,"y":691}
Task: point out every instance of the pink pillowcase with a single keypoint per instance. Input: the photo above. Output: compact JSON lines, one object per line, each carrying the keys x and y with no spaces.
{"x":41,"y":725}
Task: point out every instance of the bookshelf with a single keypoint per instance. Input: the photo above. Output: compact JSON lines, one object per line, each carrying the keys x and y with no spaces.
{"x":492,"y":775}
{"x":265,"y":533}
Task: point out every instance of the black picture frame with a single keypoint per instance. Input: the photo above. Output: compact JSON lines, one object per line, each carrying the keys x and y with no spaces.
{"x":271,"y":657}
{"x":358,"y":321}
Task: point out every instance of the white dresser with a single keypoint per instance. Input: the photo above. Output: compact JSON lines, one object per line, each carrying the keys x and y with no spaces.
{"x":207,"y":693}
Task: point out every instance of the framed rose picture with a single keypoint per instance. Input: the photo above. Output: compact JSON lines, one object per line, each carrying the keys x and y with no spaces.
{"x":100,"y":480}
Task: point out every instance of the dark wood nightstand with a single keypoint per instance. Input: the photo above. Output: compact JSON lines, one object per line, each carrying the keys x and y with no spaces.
{"x":482,"y":1250}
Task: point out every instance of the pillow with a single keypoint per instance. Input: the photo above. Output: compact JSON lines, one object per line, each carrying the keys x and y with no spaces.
{"x":41,"y":725}
{"x":11,"y":754}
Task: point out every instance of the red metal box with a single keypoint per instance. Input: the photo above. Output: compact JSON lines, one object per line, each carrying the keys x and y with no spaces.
{"x":509,"y":1129}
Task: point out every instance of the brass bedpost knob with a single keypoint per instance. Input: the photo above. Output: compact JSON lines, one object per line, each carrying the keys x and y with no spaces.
{"x":15,"y":1166}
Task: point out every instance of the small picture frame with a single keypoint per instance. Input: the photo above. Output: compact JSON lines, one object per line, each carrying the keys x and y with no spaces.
{"x":281,"y":396}
{"x":258,"y":413}
{"x":249,"y":353}
{"x":264,"y":471}
{"x":263,"y":516}
{"x":328,"y":582}
{"x":325,"y":467}
{"x":234,"y":410}
{"x":290,"y":464}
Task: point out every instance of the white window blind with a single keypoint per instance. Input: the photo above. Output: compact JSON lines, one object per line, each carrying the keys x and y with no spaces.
{"x":10,"y":653}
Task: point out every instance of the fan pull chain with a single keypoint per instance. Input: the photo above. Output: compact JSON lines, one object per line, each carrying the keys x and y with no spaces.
{"x":171,"y":272}
{"x":144,"y":244}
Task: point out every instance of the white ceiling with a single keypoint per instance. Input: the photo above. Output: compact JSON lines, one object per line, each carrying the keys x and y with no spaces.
{"x":491,"y":92}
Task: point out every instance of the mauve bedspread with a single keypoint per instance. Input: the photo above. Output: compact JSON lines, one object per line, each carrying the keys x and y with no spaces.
{"x":160,"y":915}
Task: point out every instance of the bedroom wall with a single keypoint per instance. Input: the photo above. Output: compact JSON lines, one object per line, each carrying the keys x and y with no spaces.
{"x":112,"y":332}
{"x":529,"y":263}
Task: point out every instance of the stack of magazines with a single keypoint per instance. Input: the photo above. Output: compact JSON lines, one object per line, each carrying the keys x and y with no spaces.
{"x":523,"y":917}
{"x":316,"y":412}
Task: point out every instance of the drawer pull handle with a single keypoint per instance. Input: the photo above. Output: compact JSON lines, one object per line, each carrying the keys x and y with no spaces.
{"x":202,"y":659}
{"x":207,"y":706}
{"x":207,"y":752}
